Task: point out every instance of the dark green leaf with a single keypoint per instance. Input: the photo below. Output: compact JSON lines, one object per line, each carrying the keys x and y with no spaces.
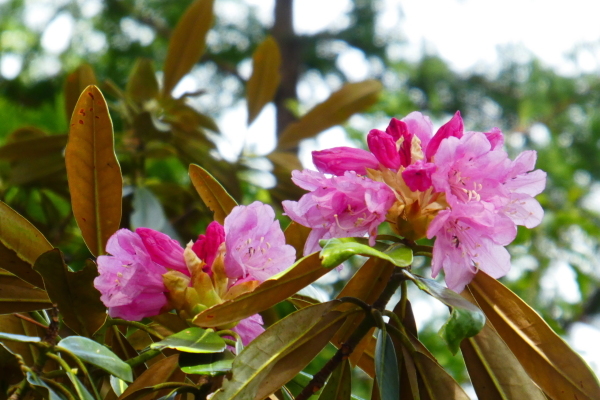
{"x":98,"y":355}
{"x":466,"y":319}
{"x":36,"y":381}
{"x":386,"y":367}
{"x":193,"y":340}
{"x":336,"y":251}
{"x":212,"y":364}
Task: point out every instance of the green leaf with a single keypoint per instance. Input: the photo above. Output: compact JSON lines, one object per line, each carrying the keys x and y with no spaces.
{"x":193,"y":340}
{"x":466,"y":320}
{"x":212,"y":193}
{"x":74,"y":292}
{"x":263,"y":83}
{"x":36,"y":381}
{"x":386,"y":367}
{"x":211,"y":364}
{"x":257,"y":360}
{"x":20,"y":245}
{"x":98,"y":355}
{"x":278,"y":288}
{"x":93,"y":172}
{"x":339,"y":385}
{"x":80,"y":388}
{"x":19,"y":338}
{"x":17,"y":295}
{"x":117,"y":385}
{"x":341,"y":105}
{"x":336,"y":251}
{"x":187,"y":42}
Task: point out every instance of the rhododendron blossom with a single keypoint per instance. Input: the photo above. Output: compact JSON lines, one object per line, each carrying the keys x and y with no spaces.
{"x":458,"y":187}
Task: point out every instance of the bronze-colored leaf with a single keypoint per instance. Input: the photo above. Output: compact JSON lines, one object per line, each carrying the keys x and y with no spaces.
{"x":39,"y":170}
{"x":76,"y":81}
{"x":187,"y":42}
{"x":166,"y":370}
{"x":20,"y":240}
{"x":339,"y":385}
{"x":93,"y":171}
{"x":212,"y":193}
{"x":263,"y":83}
{"x":120,"y":345}
{"x":341,"y":105}
{"x":270,"y":292}
{"x":17,"y":295}
{"x":549,"y":361}
{"x":74,"y":293}
{"x":295,"y":236}
{"x":10,"y":370}
{"x":437,"y":383}
{"x":142,"y":84}
{"x":33,"y":148}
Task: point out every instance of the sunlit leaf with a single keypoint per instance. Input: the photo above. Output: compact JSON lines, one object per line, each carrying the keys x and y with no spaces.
{"x":76,"y":81}
{"x":337,"y":250}
{"x":466,"y":319}
{"x":192,"y":340}
{"x":74,"y":293}
{"x":98,"y":355}
{"x":263,"y":83}
{"x":341,"y":105}
{"x":93,"y":171}
{"x":253,"y":365}
{"x":17,"y":295}
{"x":386,"y":367}
{"x":549,"y":361}
{"x":19,"y":338}
{"x":339,"y":385}
{"x":142,"y":84}
{"x":166,"y":370}
{"x":304,"y":272}
{"x":212,"y":193}
{"x":187,"y":42}
{"x":211,"y":364}
{"x":20,"y":240}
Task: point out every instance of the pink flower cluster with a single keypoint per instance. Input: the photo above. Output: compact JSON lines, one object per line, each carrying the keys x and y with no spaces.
{"x":131,"y":278}
{"x":472,"y":194}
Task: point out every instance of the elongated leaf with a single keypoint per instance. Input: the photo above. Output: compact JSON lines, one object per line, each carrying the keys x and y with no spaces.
{"x":19,"y":338}
{"x":33,"y":148}
{"x":76,"y":81}
{"x":263,"y":83}
{"x":296,"y":235}
{"x":93,"y":171}
{"x":260,"y":356}
{"x":20,"y":240}
{"x":304,"y":272}
{"x":17,"y":295}
{"x":341,"y":105}
{"x":386,"y":367}
{"x":212,"y":193}
{"x":142,"y":84}
{"x":193,"y":340}
{"x":466,"y":319}
{"x":42,"y":386}
{"x":549,"y":361}
{"x":211,"y":364}
{"x":336,"y":251}
{"x":187,"y":42}
{"x":339,"y":385}
{"x":26,"y":332}
{"x":165,"y":370}
{"x":438,"y":384}
{"x":74,"y":292}
{"x":98,"y":355}
{"x":80,"y":388}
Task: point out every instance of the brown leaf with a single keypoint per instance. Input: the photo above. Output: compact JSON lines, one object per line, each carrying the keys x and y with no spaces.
{"x":187,"y":43}
{"x":438,"y":384}
{"x":74,"y":293}
{"x":166,"y":370}
{"x":267,"y":294}
{"x":263,"y":83}
{"x":295,"y":236}
{"x":76,"y":81}
{"x":341,"y":105}
{"x":20,"y":240}
{"x":212,"y":193}
{"x":549,"y":361}
{"x":18,"y":326}
{"x":33,"y":148}
{"x":17,"y":295}
{"x":93,"y":171}
{"x":142,"y":84}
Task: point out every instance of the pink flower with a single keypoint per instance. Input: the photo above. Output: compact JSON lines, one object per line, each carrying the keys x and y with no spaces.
{"x":255,"y":244}
{"x":163,"y":250}
{"x":338,"y":160}
{"x":130,"y":282}
{"x":452,"y":128}
{"x":340,"y":206}
{"x":418,"y":176}
{"x":468,"y":238}
{"x":249,"y":328}
{"x":206,"y":246}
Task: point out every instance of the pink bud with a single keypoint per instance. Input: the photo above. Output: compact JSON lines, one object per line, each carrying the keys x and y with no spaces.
{"x":206,"y":246}
{"x":338,"y":160}
{"x":163,"y":250}
{"x":452,"y":128}
{"x":383,"y":146}
{"x":418,"y":175}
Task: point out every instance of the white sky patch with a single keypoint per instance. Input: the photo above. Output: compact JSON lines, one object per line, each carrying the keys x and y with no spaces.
{"x":539,"y":134}
{"x":312,"y":16}
{"x":137,"y":32}
{"x":332,"y":137}
{"x":57,"y":35}
{"x":560,"y":280}
{"x":353,"y":64}
{"x":584,"y":338}
{"x":90,"y":8}
{"x":10,"y":65}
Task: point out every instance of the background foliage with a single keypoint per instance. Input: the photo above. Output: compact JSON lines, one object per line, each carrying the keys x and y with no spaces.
{"x":122,"y":46}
